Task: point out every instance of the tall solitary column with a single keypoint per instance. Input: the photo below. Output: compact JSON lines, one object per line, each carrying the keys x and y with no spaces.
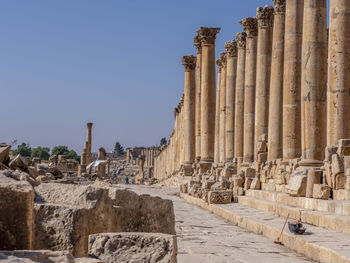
{"x":314,"y":81}
{"x":189,"y":63}
{"x":263,"y":72}
{"x":198,"y":44}
{"x":250,"y":26}
{"x":208,"y":37}
{"x":217,"y":115}
{"x":89,"y":142}
{"x":292,"y":79}
{"x":240,"y":83}
{"x":338,"y":101}
{"x":276,"y":83}
{"x":231,"y":70}
{"x":222,"y":139}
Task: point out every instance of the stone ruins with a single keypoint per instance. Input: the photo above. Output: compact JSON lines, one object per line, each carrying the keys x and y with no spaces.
{"x":261,"y":138}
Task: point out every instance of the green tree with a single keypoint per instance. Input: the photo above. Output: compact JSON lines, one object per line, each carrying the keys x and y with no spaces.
{"x":42,"y":152}
{"x":118,"y":148}
{"x":23,"y":149}
{"x":163,"y":141}
{"x":63,"y":150}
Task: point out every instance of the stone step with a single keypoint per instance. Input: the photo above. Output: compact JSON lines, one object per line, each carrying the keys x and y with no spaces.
{"x":330,"y":206}
{"x":319,"y":244}
{"x":316,"y":218}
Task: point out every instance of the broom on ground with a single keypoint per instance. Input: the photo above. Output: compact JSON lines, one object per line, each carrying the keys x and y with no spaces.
{"x":278,"y":241}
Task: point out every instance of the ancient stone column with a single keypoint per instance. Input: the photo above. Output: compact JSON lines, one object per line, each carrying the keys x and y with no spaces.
{"x":217,"y":115}
{"x":338,"y":101}
{"x":189,"y":63}
{"x":276,"y":83}
{"x":314,"y":81}
{"x":198,"y":44}
{"x":263,"y":73}
{"x":250,"y":26}
{"x":240,"y":84}
{"x":208,"y":37}
{"x":88,"y":139}
{"x":231,"y":70}
{"x":222,"y":138}
{"x":292,"y":79}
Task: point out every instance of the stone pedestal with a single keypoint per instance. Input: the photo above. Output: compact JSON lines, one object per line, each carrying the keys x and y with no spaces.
{"x":250,"y":25}
{"x":276,"y":85}
{"x":292,"y":79}
{"x":263,"y":72}
{"x":314,"y":81}
{"x":208,"y":36}
{"x":189,"y":63}
{"x":338,"y":101}
{"x":231,"y":69}
{"x":240,"y":84}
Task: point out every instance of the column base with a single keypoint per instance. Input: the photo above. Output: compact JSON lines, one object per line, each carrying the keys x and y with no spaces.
{"x":310,"y":163}
{"x":187,"y":169}
{"x":205,"y":167}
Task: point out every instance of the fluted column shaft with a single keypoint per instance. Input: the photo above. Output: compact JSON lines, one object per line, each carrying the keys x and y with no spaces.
{"x":208,"y":36}
{"x":231,"y":71}
{"x":292,"y":79}
{"x":198,"y":97}
{"x":222,"y":121}
{"x":240,"y":84}
{"x":276,"y":84}
{"x":338,"y":101}
{"x":217,"y":115}
{"x":314,"y":80}
{"x":250,"y":26}
{"x":89,"y":142}
{"x":263,"y":72}
{"x":189,"y":63}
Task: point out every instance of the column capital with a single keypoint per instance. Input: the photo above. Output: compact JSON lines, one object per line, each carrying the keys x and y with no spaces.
{"x":219,"y":64}
{"x":89,"y":124}
{"x":231,"y":48}
{"x":279,"y":6}
{"x":265,"y":16}
{"x":189,"y":62}
{"x":250,"y":26}
{"x":241,"y":39}
{"x":208,"y":34}
{"x":223,"y":59}
{"x":197,"y":43}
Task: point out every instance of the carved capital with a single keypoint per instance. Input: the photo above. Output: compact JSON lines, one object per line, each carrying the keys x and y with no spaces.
{"x":241,"y":39}
{"x":219,"y":64}
{"x":265,"y":16}
{"x":197,"y":43}
{"x":189,"y":62}
{"x":250,"y":26}
{"x":207,"y":35}
{"x":223,"y":59}
{"x":231,"y":48}
{"x":279,"y":6}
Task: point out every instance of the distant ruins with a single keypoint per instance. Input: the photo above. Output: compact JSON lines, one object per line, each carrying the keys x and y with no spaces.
{"x":279,"y":118}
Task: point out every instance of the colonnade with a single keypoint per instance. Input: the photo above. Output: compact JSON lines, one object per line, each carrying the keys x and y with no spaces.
{"x":282,"y":82}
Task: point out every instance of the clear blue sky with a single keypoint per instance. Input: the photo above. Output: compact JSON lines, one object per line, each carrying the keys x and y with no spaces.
{"x":115,"y":63}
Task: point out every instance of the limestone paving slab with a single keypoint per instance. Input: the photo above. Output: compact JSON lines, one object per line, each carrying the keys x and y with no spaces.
{"x":205,"y":237}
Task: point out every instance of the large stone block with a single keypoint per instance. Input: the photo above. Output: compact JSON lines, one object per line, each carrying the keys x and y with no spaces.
{"x":321,"y":191}
{"x":16,"y":214}
{"x":4,"y":153}
{"x":133,"y":247}
{"x":256,"y":185}
{"x":344,"y":147}
{"x":220,"y":197}
{"x":297,"y":184}
{"x":42,"y":256}
{"x":19,"y":162}
{"x":337,"y":164}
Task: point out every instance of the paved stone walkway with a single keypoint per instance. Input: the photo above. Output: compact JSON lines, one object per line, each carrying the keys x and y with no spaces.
{"x":206,"y":238}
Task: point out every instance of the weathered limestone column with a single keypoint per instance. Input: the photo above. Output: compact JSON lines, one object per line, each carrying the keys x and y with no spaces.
{"x":240,"y":84}
{"x":198,"y":44}
{"x":276,"y":83}
{"x":189,"y":63}
{"x":231,"y":71}
{"x":250,"y":26}
{"x":292,"y":79}
{"x":222,"y":138}
{"x":338,"y":101}
{"x":263,"y":72}
{"x":314,"y":81}
{"x":217,"y":115}
{"x":208,"y":37}
{"x":88,"y":139}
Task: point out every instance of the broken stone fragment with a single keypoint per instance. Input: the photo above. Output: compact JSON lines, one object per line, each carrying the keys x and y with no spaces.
{"x":344,"y":147}
{"x":321,"y":191}
{"x":184,"y":188}
{"x":256,"y":185}
{"x":297,"y":184}
{"x":29,"y":256}
{"x":4,"y":153}
{"x":19,"y":162}
{"x":337,"y":164}
{"x":133,"y":247}
{"x":220,"y":197}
